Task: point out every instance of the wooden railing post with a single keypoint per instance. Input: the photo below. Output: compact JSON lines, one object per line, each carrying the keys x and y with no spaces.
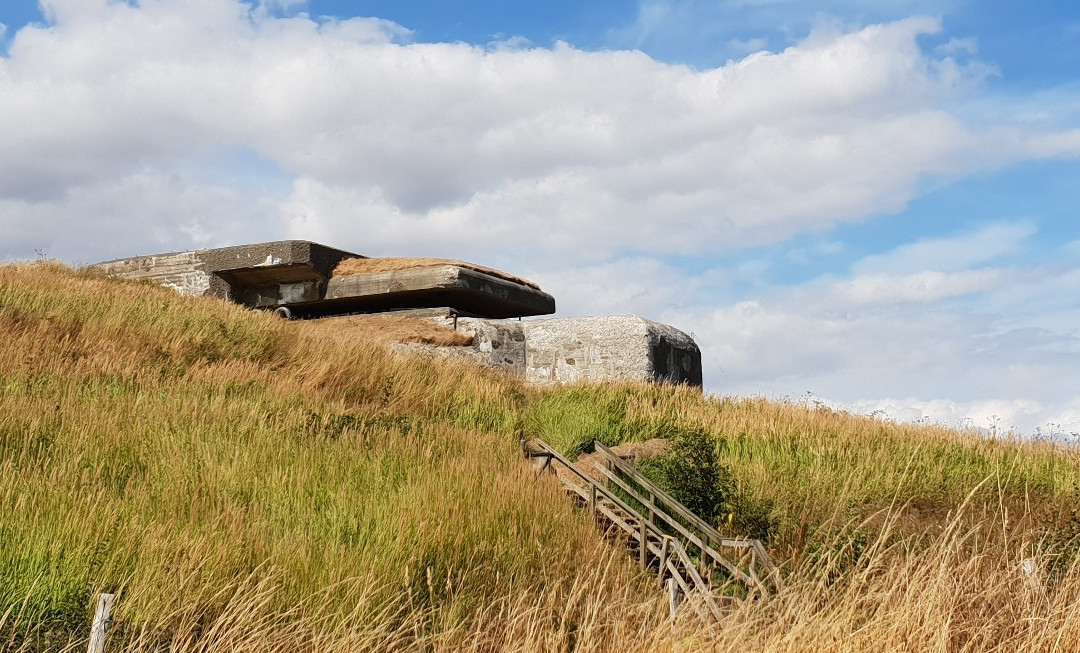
{"x":658,"y":515}
{"x":664,"y":546}
{"x":643,"y":550}
{"x":662,"y":508}
{"x":674,"y":597}
{"x":102,"y":621}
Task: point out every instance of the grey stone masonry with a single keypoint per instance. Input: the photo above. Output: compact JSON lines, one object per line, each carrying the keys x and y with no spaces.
{"x":582,"y":349}
{"x":623,"y":347}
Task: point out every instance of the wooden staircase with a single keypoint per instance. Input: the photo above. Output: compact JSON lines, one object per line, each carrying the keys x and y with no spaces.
{"x":681,"y":548}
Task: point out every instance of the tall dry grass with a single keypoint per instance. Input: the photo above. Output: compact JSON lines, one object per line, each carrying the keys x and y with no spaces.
{"x":213,"y":465}
{"x":247,"y":485}
{"x":814,"y":469}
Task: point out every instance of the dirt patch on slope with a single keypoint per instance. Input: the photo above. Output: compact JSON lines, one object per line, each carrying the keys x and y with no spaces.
{"x":631,"y":452}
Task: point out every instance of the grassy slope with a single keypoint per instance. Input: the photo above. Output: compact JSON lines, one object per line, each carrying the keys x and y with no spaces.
{"x":204,"y":460}
{"x":821,"y":469}
{"x":247,"y":485}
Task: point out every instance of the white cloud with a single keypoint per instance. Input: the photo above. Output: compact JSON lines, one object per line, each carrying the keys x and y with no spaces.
{"x":566,"y":153}
{"x":140,"y":213}
{"x":955,"y":46}
{"x":747,"y":46}
{"x":928,"y":286}
{"x":949,"y":254}
{"x":634,"y":285}
{"x":920,"y":362}
{"x":894,"y":343}
{"x":994,"y":416}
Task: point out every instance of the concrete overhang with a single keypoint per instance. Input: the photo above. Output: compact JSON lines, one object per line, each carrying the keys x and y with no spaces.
{"x":299,"y":275}
{"x":465,"y":289}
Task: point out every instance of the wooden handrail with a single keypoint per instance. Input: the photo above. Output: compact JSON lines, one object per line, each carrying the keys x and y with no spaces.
{"x":670,"y":553}
{"x":672,"y":503}
{"x":710,"y":535}
{"x":703,"y":588}
{"x":592,"y":485}
{"x":682,"y":530}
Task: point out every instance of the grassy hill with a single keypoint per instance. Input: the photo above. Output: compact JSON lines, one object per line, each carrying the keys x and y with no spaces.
{"x":245,"y":483}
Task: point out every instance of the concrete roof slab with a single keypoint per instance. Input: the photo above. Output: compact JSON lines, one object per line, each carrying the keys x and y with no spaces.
{"x":458,"y":287}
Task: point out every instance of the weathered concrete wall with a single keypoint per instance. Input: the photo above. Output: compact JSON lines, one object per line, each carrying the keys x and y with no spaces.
{"x":617,"y":347}
{"x":260,"y":275}
{"x":181,"y":271}
{"x":299,"y":274}
{"x":500,"y":343}
{"x":586,"y":349}
{"x":470,"y":291}
{"x":675,"y":356}
{"x":573,"y":350}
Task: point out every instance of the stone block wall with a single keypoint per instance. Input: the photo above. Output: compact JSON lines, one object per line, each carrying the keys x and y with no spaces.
{"x":573,"y":350}
{"x":615,"y":347}
{"x":499,"y":343}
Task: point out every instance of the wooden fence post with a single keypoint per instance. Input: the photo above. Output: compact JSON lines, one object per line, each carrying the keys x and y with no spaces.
{"x":674,"y":597}
{"x":664,"y":559}
{"x":643,"y":550}
{"x":102,"y":621}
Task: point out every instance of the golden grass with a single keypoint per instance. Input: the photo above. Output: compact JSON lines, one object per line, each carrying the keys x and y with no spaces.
{"x":814,"y":468}
{"x":351,"y":266}
{"x":387,"y":329}
{"x":248,"y":484}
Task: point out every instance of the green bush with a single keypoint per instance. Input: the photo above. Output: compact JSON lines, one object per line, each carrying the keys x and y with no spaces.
{"x":693,"y":474}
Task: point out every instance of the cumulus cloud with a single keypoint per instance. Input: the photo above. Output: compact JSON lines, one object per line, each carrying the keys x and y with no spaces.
{"x":142,"y":212}
{"x":567,"y":152}
{"x":913,"y":345}
{"x":952,"y":253}
{"x":928,"y":286}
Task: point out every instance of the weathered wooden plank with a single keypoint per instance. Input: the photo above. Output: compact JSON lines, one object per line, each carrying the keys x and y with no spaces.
{"x":674,"y":597}
{"x":643,"y":544}
{"x":664,"y":546}
{"x":671,"y":503}
{"x":699,"y":583}
{"x":100,"y":626}
{"x":671,"y":554}
{"x":682,"y":530}
{"x":709,"y":534}
{"x":678,"y":561}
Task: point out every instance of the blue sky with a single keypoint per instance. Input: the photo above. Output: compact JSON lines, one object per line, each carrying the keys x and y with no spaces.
{"x":871,"y":202}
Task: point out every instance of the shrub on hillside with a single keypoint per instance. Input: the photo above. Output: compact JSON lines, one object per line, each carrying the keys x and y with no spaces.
{"x":694,"y":475}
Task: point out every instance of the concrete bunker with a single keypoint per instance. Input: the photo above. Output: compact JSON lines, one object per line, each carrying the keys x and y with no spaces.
{"x":302,"y":279}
